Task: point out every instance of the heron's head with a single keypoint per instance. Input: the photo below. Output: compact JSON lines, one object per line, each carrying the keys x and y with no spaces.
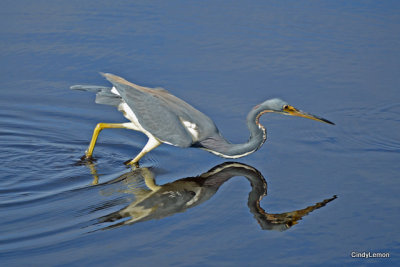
{"x":279,"y":106}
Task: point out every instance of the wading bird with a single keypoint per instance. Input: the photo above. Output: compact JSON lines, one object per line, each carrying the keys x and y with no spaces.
{"x":164,"y":118}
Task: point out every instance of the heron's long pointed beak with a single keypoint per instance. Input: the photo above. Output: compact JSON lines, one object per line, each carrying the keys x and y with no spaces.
{"x":289,"y":110}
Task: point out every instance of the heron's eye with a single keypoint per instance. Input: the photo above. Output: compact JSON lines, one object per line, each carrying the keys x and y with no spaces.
{"x":285,"y":107}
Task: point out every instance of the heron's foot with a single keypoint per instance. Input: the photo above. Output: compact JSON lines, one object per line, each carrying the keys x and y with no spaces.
{"x":132,"y":163}
{"x":84,"y":160}
{"x":86,"y":157}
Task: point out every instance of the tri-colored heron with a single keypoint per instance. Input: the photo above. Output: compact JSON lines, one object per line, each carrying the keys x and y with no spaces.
{"x":164,"y":118}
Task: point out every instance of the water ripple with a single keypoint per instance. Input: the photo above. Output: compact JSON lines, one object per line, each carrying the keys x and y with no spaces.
{"x":43,"y":193}
{"x":366,"y":129}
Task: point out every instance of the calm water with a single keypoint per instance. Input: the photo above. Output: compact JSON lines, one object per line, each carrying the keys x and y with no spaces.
{"x":337,"y":59}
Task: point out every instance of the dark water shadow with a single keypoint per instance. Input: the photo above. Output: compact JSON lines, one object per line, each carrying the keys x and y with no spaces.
{"x":152,"y":201}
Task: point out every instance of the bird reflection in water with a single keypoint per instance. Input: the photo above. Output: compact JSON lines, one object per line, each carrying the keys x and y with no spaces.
{"x":160,"y":201}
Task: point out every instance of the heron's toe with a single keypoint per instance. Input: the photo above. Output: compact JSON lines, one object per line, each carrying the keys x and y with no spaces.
{"x":132,"y":163}
{"x":86,"y":159}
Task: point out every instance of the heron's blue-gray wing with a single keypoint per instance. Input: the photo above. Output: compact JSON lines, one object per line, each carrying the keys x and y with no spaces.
{"x":154,"y":112}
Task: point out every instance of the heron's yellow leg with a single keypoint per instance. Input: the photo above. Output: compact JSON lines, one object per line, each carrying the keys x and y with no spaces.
{"x":97,"y":130}
{"x":151,"y":144}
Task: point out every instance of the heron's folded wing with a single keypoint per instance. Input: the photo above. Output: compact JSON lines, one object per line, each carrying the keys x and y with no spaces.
{"x":114,"y":79}
{"x":153,"y":112}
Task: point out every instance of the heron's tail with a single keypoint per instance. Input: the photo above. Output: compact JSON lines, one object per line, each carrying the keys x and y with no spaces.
{"x":104,"y":95}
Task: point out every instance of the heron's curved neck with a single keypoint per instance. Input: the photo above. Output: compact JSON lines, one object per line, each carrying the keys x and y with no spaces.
{"x":258,"y":135}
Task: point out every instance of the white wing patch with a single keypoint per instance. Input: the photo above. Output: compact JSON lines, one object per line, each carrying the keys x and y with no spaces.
{"x":114,"y":91}
{"x":192,"y":128}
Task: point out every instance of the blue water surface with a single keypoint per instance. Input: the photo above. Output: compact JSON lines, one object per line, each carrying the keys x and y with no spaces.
{"x":337,"y":59}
